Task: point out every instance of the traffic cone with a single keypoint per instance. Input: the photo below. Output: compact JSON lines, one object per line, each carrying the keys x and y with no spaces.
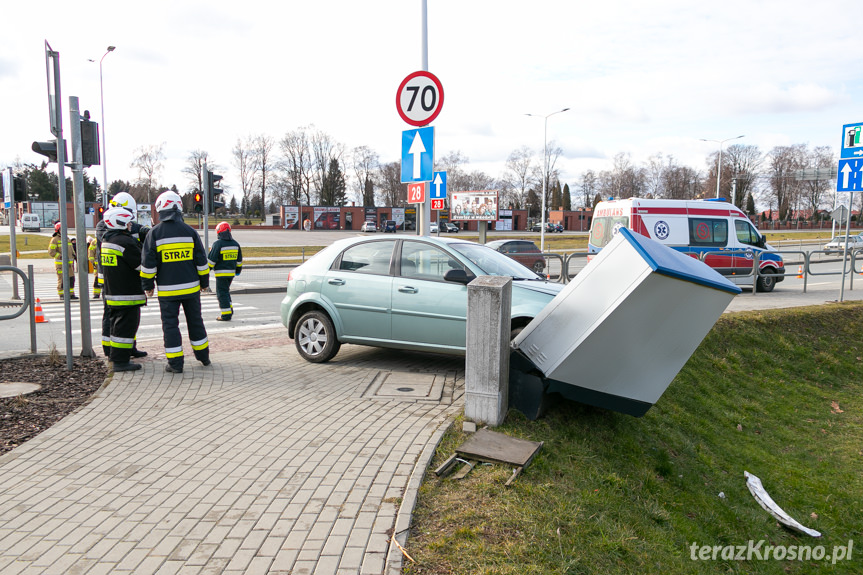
{"x":40,"y":317}
{"x":800,"y":272}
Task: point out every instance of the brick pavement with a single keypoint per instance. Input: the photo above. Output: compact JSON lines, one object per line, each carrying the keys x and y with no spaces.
{"x":260,"y":463}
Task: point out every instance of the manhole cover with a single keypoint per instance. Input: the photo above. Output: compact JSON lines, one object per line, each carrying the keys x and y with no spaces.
{"x":16,"y":388}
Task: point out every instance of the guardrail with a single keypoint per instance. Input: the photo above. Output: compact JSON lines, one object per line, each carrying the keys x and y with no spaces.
{"x":26,"y":303}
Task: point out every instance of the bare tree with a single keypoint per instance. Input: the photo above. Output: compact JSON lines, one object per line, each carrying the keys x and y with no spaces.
{"x":653,"y":176}
{"x":392,"y":191}
{"x":244,"y":161}
{"x":814,"y":192}
{"x":296,"y":165}
{"x":456,"y":178}
{"x":783,"y":189}
{"x":365,"y":163}
{"x":262,"y":146}
{"x":588,"y":187}
{"x":517,"y":177}
{"x":324,"y":149}
{"x":742,"y":163}
{"x":148,"y":161}
{"x":194,"y":168}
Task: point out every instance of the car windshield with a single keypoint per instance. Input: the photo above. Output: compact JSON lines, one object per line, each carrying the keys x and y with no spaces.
{"x":493,"y":263}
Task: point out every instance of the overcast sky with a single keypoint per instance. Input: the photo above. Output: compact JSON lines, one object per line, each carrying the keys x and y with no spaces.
{"x":638,"y":77}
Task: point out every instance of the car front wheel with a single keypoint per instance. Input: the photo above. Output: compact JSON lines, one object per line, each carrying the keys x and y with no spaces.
{"x":315,"y":337}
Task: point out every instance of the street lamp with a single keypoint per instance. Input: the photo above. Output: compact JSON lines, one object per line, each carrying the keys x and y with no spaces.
{"x":545,"y":172}
{"x":104,"y":153}
{"x":719,"y":163}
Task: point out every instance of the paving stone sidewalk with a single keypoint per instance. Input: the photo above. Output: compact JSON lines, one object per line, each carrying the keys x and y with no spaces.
{"x":259,"y":463}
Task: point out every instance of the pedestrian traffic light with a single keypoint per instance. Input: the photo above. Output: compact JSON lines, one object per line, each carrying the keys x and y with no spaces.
{"x":199,"y":202}
{"x":48,"y":149}
{"x":101,"y":211}
{"x":89,"y":142}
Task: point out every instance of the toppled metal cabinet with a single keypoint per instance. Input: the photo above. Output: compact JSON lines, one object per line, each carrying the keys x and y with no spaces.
{"x":617,"y":335}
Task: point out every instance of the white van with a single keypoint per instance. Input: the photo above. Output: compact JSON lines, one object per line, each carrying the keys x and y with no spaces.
{"x":30,"y":223}
{"x":715,"y":231}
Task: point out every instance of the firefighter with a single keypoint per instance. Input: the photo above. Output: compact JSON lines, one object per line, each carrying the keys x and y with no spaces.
{"x":226,"y":261}
{"x":96,"y":266}
{"x":126,"y":201}
{"x":55,"y":250}
{"x":121,"y":263}
{"x":174,"y":259}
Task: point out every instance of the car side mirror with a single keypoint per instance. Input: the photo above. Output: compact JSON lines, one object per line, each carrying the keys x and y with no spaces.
{"x":459,"y":276}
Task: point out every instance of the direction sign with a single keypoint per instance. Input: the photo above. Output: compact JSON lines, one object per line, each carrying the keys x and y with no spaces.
{"x":419,"y":98}
{"x":852,"y":141}
{"x":438,"y":186}
{"x":417,"y":193}
{"x":417,"y":155}
{"x":850,"y":176}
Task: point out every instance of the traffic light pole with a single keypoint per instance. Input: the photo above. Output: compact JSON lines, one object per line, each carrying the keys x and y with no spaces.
{"x":205,"y":179}
{"x":77,"y":165}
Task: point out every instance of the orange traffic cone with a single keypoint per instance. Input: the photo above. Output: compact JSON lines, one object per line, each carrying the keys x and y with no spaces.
{"x":40,"y":317}
{"x":800,"y":272}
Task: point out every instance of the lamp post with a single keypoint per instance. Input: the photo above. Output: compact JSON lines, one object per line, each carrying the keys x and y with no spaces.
{"x":544,"y":172}
{"x":719,"y":162}
{"x":104,"y":153}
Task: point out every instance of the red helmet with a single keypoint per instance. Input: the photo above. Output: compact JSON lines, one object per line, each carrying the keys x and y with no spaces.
{"x":223,"y":227}
{"x":57,"y":227}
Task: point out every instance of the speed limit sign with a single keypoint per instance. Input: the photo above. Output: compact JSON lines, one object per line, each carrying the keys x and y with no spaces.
{"x":419,"y":98}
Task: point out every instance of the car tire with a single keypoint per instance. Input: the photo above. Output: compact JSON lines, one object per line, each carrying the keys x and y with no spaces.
{"x":766,"y":283}
{"x":538,"y":266}
{"x":315,"y":337}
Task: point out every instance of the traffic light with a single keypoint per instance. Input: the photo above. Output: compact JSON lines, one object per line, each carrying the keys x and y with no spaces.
{"x":101,"y":210}
{"x":199,"y":202}
{"x":49,"y":150}
{"x":19,"y":186}
{"x":89,"y":143}
{"x":213,"y":191}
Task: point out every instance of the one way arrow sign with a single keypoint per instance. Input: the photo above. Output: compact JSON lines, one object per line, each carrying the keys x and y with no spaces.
{"x":850,"y":176}
{"x":417,"y":155}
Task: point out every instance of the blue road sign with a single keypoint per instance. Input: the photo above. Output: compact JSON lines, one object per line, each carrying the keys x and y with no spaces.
{"x":438,"y":186}
{"x":417,"y":155}
{"x":852,"y":141}
{"x":850,"y":178}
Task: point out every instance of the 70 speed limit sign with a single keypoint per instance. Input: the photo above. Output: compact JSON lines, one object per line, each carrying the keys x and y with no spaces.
{"x":419,"y":98}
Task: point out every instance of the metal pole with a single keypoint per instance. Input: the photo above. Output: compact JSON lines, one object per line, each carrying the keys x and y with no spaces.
{"x":9,"y":186}
{"x":845,"y":250}
{"x":80,"y":227}
{"x":544,"y":179}
{"x":206,"y":193}
{"x":424,"y":209}
{"x":719,"y":169}
{"x":104,"y":147}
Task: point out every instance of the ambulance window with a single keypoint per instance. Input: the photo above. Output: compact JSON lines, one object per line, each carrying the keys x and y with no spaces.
{"x":708,"y":232}
{"x":746,"y":234}
{"x":602,"y":229}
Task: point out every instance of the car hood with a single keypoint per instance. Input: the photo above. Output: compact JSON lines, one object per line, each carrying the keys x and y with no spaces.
{"x":545,"y":287}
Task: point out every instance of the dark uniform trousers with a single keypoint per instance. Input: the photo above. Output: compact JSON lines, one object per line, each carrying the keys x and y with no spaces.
{"x":124,"y":321}
{"x":170,"y":311}
{"x":223,"y":294}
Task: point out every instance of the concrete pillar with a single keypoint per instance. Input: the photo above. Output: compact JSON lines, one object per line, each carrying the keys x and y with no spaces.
{"x":489,"y":305}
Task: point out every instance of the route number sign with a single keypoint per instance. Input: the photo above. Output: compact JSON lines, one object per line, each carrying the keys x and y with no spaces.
{"x":417,"y":193}
{"x":437,"y":204}
{"x":419,"y":98}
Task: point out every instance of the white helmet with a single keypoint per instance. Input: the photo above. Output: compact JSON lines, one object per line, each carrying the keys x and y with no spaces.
{"x":117,"y":218}
{"x":169,"y":200}
{"x":124,"y":200}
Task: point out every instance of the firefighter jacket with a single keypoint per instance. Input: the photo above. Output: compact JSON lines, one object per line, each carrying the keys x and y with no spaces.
{"x":226,"y":256}
{"x":93,"y":253}
{"x":121,"y":266}
{"x":174,"y":259}
{"x":55,"y":250}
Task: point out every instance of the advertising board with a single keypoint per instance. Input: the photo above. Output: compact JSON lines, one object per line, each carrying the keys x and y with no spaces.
{"x":474,"y":206}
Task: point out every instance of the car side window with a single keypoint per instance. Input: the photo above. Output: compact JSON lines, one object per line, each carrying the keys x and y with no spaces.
{"x":708,"y":232}
{"x":745,"y":234}
{"x":368,"y":258}
{"x":427,"y":262}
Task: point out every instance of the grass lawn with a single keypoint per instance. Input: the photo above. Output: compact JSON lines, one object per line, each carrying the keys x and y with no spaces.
{"x":776,"y":393}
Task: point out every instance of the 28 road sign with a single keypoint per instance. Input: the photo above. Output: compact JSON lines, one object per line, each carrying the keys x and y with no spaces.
{"x":419,"y":98}
{"x":417,"y":193}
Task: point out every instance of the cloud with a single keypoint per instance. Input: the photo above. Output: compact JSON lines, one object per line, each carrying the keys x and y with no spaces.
{"x":771,"y":98}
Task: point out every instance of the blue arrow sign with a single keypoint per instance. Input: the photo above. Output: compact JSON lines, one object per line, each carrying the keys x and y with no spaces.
{"x":852,"y":141}
{"x":850,"y":178}
{"x":438,"y":186}
{"x":417,"y":155}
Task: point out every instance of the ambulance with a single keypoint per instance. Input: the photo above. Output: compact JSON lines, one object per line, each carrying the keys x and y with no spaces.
{"x":714,"y":231}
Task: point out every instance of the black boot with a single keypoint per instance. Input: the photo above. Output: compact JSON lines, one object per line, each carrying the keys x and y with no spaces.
{"x":171,"y":369}
{"x":138,"y":353}
{"x":127,"y":366}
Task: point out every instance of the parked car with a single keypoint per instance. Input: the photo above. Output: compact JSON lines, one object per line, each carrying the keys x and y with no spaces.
{"x":390,"y":226}
{"x":449,"y":227}
{"x":400,"y":292}
{"x":433,"y":228}
{"x":837,"y":244}
{"x":368,"y":227}
{"x":524,"y":252}
{"x":549,"y":227}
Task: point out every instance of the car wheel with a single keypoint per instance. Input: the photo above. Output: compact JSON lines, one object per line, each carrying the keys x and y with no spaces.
{"x":315,"y":337}
{"x":538,"y":266}
{"x":766,"y":283}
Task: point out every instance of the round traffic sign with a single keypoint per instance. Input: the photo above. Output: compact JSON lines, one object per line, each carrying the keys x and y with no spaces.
{"x":419,"y":98}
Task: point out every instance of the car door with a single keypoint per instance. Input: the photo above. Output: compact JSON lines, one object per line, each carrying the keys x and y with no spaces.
{"x":358,"y":285}
{"x":426,"y":309}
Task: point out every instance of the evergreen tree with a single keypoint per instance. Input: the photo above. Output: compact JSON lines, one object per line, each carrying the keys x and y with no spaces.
{"x":567,"y":198}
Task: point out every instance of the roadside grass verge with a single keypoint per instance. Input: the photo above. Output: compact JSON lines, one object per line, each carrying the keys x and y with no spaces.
{"x":777,"y":393}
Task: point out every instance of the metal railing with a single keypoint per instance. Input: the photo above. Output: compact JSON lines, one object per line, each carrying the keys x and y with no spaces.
{"x":26,"y":303}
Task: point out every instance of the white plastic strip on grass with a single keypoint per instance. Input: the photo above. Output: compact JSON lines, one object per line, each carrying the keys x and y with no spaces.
{"x":764,"y":499}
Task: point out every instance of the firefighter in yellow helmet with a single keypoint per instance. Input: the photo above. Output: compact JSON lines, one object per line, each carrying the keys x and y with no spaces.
{"x":55,"y":250}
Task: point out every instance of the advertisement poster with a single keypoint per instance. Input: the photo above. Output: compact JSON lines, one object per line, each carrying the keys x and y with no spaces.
{"x":399,"y":216}
{"x":292,"y":217}
{"x":503,"y":225}
{"x":474,"y":206}
{"x":326,"y":218}
{"x":372,"y":215}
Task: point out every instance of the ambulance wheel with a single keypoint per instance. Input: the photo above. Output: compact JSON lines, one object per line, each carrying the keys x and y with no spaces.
{"x":315,"y":337}
{"x":766,"y":283}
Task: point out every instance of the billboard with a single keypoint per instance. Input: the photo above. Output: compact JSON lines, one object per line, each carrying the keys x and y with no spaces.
{"x":292,"y":217}
{"x":326,"y":218}
{"x":473,"y":206}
